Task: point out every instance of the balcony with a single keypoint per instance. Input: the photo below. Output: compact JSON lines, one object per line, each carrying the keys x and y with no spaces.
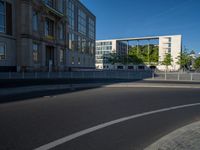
{"x":50,"y":6}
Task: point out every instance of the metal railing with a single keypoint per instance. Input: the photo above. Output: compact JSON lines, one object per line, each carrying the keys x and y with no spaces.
{"x":132,"y":75}
{"x":177,"y":76}
{"x":77,"y":75}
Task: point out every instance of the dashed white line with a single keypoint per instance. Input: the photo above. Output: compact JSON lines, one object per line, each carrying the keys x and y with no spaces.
{"x":104,"y":125}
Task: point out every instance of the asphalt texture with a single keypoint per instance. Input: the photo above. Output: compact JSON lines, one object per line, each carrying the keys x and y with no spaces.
{"x":29,"y":124}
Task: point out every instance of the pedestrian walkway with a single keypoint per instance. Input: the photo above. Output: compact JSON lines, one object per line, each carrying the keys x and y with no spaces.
{"x":185,"y":138}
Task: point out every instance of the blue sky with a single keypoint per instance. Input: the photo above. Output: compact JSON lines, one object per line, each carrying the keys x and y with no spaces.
{"x":133,"y":18}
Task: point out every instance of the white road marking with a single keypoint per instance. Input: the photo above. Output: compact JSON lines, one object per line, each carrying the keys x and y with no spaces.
{"x":104,"y":125}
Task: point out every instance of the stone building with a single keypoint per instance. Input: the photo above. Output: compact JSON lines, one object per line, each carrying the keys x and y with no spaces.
{"x":46,"y":35}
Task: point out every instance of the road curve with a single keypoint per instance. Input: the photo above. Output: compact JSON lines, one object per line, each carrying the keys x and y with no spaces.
{"x":33,"y":123}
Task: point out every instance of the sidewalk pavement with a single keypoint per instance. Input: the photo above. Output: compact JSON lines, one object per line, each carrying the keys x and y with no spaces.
{"x":185,"y":138}
{"x":39,"y":88}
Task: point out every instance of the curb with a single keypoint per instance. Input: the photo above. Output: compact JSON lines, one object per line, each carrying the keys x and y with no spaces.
{"x":23,"y":90}
{"x":185,"y":138}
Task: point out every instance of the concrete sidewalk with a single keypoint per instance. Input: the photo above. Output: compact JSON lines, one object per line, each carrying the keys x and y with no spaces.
{"x":185,"y":138}
{"x":39,"y":88}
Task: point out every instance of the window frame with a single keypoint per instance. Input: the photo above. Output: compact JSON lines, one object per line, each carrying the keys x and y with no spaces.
{"x":3,"y":14}
{"x":62,"y":61}
{"x":33,"y":51}
{"x":35,"y":14}
{"x":49,"y":26}
{"x":5,"y":51}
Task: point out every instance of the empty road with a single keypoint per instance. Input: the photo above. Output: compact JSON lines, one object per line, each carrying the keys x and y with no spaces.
{"x":104,"y":118}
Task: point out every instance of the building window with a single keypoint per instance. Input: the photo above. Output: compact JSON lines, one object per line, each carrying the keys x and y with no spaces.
{"x":81,"y":22}
{"x":72,"y":42}
{"x":70,"y":13}
{"x":2,"y":16}
{"x":35,"y":52}
{"x":91,"y":29}
{"x":170,"y":39}
{"x":62,"y":55}
{"x":50,"y":3}
{"x":169,"y":51}
{"x":49,"y":27}
{"x":61,"y":6}
{"x":2,"y":51}
{"x":61,"y":31}
{"x":35,"y":21}
{"x":79,"y":44}
{"x":79,"y":60}
{"x":72,"y":59}
{"x":83,"y":45}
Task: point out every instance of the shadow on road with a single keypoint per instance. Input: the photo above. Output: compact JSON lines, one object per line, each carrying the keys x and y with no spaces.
{"x":19,"y":83}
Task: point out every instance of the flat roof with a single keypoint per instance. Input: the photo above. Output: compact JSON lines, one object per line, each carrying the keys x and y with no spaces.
{"x":138,"y":38}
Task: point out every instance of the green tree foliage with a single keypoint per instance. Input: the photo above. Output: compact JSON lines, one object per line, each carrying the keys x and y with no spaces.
{"x":184,"y":60}
{"x":197,"y":63}
{"x":145,"y":53}
{"x":137,"y":55}
{"x":167,"y":60}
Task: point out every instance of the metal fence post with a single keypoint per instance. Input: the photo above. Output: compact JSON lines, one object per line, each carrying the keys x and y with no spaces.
{"x":165,"y":75}
{"x":178,"y":76}
{"x":191,"y":76}
{"x":153,"y":75}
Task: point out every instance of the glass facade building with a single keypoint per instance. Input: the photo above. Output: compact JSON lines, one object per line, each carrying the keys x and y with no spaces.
{"x":39,"y":33}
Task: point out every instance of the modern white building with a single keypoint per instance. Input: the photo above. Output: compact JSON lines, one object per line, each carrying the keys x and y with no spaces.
{"x":167,"y":44}
{"x":103,"y":50}
{"x":173,"y":45}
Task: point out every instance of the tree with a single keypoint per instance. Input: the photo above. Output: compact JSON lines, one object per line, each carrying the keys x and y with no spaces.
{"x":133,"y":58}
{"x":113,"y":58}
{"x":145,"y":53}
{"x":197,"y":64}
{"x":167,"y":60}
{"x":184,"y":60}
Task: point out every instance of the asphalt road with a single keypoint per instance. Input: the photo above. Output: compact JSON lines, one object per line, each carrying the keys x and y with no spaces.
{"x":26,"y":125}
